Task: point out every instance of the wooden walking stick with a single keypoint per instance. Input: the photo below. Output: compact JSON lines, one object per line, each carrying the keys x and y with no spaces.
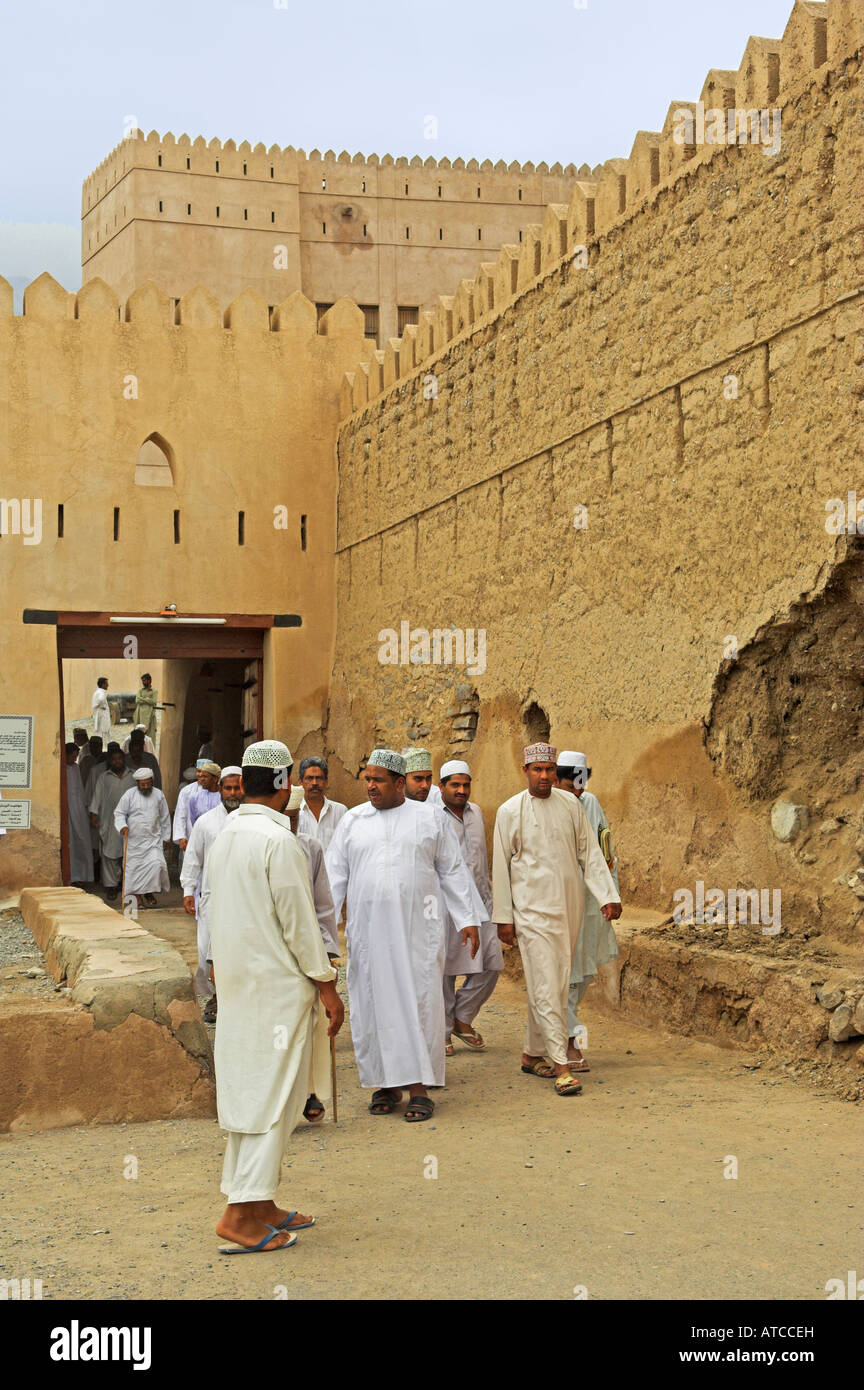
{"x":333,"y":1079}
{"x":123,"y":874}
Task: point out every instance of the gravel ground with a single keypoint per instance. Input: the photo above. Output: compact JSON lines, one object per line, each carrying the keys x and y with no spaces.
{"x":22,"y":964}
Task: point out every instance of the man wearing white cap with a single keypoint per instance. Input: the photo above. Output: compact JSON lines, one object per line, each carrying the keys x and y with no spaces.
{"x":271,"y":970}
{"x":205,"y":797}
{"x":597,"y":943}
{"x":542,"y":841}
{"x":400,"y":870}
{"x":462,"y":1006}
{"x":141,"y":816}
{"x":201,"y":838}
{"x":418,"y":776}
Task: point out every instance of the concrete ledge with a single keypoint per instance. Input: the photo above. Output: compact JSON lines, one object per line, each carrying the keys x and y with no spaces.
{"x":134,"y":1048}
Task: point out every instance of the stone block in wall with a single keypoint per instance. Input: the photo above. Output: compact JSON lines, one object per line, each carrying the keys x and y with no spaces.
{"x":425,"y":336}
{"x":360,"y":388}
{"x":529,"y":259}
{"x":553,"y":237}
{"x":391,"y":362}
{"x":675,"y":151}
{"x":644,"y":167}
{"x":718,"y":89}
{"x":408,"y":350}
{"x":296,"y":314}
{"x":506,"y":274}
{"x":45,"y":299}
{"x":611,"y":199}
{"x":248,"y":311}
{"x":149,"y":304}
{"x":376,"y":372}
{"x":758,"y":80}
{"x":199,"y":309}
{"x":443,"y":322}
{"x":580,"y":214}
{"x":485,"y":287}
{"x":7,"y":299}
{"x":96,"y":300}
{"x":463,"y":309}
{"x":845,"y":29}
{"x":804,"y":45}
{"x":343,"y":320}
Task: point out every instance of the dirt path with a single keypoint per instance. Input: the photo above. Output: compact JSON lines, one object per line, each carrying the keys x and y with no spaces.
{"x":620,"y":1191}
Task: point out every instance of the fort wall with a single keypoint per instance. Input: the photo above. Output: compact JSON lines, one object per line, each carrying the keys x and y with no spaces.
{"x":612,"y":453}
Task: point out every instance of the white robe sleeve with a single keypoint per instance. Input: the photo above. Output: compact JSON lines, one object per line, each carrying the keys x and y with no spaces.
{"x":164,"y":817}
{"x":193,"y":861}
{"x":595,"y":870}
{"x":461,"y":898}
{"x":336,"y":863}
{"x":323,"y":900}
{"x":502,"y":853}
{"x":292,"y":902}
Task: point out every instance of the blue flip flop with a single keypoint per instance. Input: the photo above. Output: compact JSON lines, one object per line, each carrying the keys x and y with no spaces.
{"x":259,"y":1248}
{"x":286,"y":1224}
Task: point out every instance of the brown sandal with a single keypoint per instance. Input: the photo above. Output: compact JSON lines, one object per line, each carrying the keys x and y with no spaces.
{"x":539,"y":1069}
{"x":567,"y":1085}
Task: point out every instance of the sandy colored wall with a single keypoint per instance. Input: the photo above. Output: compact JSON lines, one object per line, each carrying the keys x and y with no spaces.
{"x":250,"y":416}
{"x":693,"y":388}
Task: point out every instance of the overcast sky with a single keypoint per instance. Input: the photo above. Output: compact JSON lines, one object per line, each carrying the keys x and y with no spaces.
{"x":544,"y":80}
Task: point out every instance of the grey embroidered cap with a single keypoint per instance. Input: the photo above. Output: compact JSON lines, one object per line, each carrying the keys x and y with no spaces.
{"x":268,"y":753}
{"x":385,"y":757}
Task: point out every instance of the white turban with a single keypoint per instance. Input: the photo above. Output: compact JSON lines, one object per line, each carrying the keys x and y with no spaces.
{"x":231,"y":772}
{"x":143,"y":774}
{"x":453,"y":768}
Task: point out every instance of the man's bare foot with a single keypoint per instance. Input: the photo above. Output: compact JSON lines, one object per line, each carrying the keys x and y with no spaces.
{"x":279,"y":1216}
{"x":246,"y":1223}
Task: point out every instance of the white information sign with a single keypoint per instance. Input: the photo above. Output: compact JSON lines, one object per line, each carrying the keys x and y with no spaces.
{"x":16,"y":751}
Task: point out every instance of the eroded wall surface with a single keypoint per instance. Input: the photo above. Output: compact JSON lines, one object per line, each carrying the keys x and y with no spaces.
{"x":617,"y":465}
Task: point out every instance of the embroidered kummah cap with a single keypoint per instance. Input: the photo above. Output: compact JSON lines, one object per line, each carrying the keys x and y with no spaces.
{"x":231,"y":771}
{"x":567,"y":758}
{"x":296,"y":799}
{"x":268,"y":753}
{"x":539,"y":753}
{"x":417,"y":759}
{"x":213,"y":768}
{"x":385,"y":757}
{"x":143,"y":774}
{"x":199,"y":763}
{"x":454,"y":768}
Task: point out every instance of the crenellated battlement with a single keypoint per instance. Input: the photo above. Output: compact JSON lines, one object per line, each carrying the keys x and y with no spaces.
{"x":819,"y":35}
{"x":171,"y":153}
{"x":47,"y":302}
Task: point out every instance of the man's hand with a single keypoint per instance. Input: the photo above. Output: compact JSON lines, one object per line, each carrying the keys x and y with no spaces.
{"x":611,"y":911}
{"x":183,"y":844}
{"x":471,"y":934}
{"x":94,"y":820}
{"x":124,"y":831}
{"x":189,"y":905}
{"x":212,"y":976}
{"x":333,"y":1006}
{"x":506,"y":933}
